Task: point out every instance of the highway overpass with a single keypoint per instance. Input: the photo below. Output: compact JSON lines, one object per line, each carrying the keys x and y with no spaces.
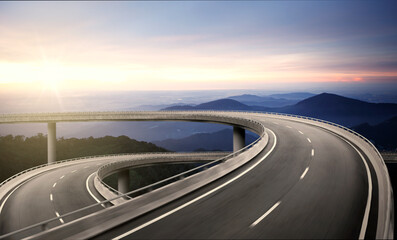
{"x":303,"y":178}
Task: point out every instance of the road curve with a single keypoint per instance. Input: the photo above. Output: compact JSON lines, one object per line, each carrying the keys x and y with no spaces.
{"x":308,"y":182}
{"x":50,"y":194}
{"x":295,"y":193}
{"x":69,"y":188}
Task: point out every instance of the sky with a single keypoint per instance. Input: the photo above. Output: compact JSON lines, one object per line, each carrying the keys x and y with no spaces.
{"x":195,"y":45}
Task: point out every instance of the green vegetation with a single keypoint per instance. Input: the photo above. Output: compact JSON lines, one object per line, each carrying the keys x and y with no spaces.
{"x":18,"y":153}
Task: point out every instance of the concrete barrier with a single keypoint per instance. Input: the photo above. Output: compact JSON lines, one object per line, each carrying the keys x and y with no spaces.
{"x":99,"y":222}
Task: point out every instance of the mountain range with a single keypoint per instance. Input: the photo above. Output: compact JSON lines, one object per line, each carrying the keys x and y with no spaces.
{"x":274,"y":100}
{"x":221,"y":104}
{"x":345,"y":111}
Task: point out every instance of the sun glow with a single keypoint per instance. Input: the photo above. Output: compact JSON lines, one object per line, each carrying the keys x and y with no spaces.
{"x":50,"y":75}
{"x":53,"y":75}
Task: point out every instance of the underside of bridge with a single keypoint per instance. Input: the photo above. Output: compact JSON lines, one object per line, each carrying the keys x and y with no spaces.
{"x":123,"y":175}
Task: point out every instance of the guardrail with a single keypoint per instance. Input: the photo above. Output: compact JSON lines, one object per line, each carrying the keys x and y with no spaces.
{"x":250,"y":124}
{"x":102,"y":171}
{"x":330,"y":123}
{"x":114,"y":167}
{"x":388,"y":219}
{"x":385,"y":221}
{"x":44,"y":224}
{"x":313,"y":119}
{"x":68,"y":160}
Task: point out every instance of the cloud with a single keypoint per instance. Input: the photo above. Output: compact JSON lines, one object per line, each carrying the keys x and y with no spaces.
{"x":146,"y":45}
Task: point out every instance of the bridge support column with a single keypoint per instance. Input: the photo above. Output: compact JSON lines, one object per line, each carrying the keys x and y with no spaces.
{"x":238,"y":138}
{"x":123,"y":181}
{"x":51,"y":142}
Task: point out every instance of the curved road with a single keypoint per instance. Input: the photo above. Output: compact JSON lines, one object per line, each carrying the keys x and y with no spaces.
{"x":55,"y":192}
{"x":312,"y":185}
{"x":307,"y":183}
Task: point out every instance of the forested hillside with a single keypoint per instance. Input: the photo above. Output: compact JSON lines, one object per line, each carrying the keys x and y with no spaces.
{"x":18,"y":153}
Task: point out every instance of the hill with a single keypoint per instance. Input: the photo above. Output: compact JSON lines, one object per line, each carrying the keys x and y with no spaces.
{"x":345,"y":111}
{"x":265,"y":101}
{"x":18,"y":153}
{"x":221,"y":104}
{"x":342,"y":110}
{"x":217,"y":141}
{"x":383,"y":135}
{"x":249,"y":98}
{"x":293,"y":96}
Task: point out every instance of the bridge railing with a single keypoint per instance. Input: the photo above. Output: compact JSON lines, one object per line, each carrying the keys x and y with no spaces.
{"x":386,"y":180}
{"x":330,"y":123}
{"x":386,"y":215}
{"x":107,"y":168}
{"x":68,"y":160}
{"x":44,"y":225}
{"x":113,"y":167}
{"x":308,"y":118}
{"x":385,"y":222}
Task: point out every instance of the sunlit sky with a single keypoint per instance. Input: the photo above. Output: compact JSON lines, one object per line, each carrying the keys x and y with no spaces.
{"x":137,"y":45}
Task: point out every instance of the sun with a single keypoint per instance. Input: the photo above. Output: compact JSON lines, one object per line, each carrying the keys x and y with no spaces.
{"x":50,"y":75}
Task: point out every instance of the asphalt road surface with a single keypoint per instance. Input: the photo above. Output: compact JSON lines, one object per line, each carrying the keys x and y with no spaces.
{"x":307,"y":183}
{"x":51,"y":194}
{"x":312,"y":185}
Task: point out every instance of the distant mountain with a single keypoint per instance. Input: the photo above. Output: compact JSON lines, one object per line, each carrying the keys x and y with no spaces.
{"x":272,"y":101}
{"x":342,"y":110}
{"x":249,"y":98}
{"x":180,"y":108}
{"x":345,"y":111}
{"x":221,"y":104}
{"x":293,"y":96}
{"x":253,"y":100}
{"x":153,"y":107}
{"x":221,"y":141}
{"x":382,"y":135}
{"x":375,"y":98}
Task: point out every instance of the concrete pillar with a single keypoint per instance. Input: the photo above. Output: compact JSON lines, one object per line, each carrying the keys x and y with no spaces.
{"x":51,"y":142}
{"x":238,"y":138}
{"x":123,"y":181}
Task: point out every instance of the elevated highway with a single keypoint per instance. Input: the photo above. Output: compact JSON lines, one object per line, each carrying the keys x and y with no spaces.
{"x":303,"y":178}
